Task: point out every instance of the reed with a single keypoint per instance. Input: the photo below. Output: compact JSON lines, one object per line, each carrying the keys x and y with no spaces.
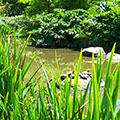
{"x":34,"y":100}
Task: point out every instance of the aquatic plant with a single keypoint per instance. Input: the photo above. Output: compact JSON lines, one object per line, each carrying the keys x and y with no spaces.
{"x":35,"y":100}
{"x":12,"y":75}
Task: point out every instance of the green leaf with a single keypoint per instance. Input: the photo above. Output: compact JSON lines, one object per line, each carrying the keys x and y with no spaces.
{"x":111,"y":111}
{"x":2,"y":105}
{"x":28,"y":82}
{"x":82,"y":35}
{"x":95,"y":87}
{"x":108,"y":82}
{"x":22,"y":50}
{"x":116,"y":90}
{"x":92,"y":11}
{"x":117,"y":117}
{"x":27,"y":68}
{"x":15,"y":50}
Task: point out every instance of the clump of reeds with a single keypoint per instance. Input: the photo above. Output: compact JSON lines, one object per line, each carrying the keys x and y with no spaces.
{"x":35,"y":101}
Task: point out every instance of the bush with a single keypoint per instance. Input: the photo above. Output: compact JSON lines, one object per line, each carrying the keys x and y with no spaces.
{"x":12,"y":9}
{"x":97,"y":26}
{"x":105,"y":31}
{"x":61,"y":28}
{"x":47,"y":6}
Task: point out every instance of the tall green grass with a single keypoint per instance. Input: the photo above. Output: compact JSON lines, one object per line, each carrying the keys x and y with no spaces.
{"x":12,"y":74}
{"x":34,"y":100}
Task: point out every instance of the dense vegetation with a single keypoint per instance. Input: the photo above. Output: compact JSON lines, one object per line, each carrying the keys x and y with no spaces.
{"x":98,"y":25}
{"x":34,"y":100}
{"x":58,"y":23}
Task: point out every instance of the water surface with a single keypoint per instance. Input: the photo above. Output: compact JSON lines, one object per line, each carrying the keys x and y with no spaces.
{"x":67,"y":59}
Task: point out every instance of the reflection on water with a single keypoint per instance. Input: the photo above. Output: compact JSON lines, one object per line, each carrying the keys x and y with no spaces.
{"x":67,"y":58}
{"x":117,"y":106}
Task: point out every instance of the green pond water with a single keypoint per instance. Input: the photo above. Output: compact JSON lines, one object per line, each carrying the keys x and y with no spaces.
{"x":67,"y":59}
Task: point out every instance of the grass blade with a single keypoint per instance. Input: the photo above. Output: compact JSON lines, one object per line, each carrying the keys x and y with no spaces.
{"x":110,"y":115}
{"x":28,"y":82}
{"x":15,"y":50}
{"x":22,"y":50}
{"x":48,"y":85}
{"x":108,"y":83}
{"x":95,"y":91}
{"x":75,"y":96}
{"x":116,"y":90}
{"x":27,"y":68}
{"x":2,"y":105}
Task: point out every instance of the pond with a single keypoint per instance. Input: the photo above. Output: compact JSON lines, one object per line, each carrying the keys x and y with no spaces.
{"x":67,"y":59}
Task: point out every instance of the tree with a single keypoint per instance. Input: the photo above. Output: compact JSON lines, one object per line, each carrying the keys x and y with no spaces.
{"x":10,"y":1}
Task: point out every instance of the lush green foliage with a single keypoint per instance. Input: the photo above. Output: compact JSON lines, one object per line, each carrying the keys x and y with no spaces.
{"x":61,"y":28}
{"x":100,"y":24}
{"x":22,"y":24}
{"x":32,"y":7}
{"x":47,"y":6}
{"x":97,"y":26}
{"x":12,"y":8}
{"x":64,"y":28}
{"x":4,"y":26}
{"x":9,"y":1}
{"x":39,"y":6}
{"x":78,"y":4}
{"x":106,"y":28}
{"x":35,"y":101}
{"x":12,"y":75}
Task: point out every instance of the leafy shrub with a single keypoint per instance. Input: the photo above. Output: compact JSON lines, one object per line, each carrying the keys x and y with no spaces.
{"x":12,"y":9}
{"x":40,"y":6}
{"x":4,"y":9}
{"x":61,"y":28}
{"x":5,"y":26}
{"x":47,"y":6}
{"x":97,"y":26}
{"x":78,"y":4}
{"x":22,"y":24}
{"x":105,"y":31}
